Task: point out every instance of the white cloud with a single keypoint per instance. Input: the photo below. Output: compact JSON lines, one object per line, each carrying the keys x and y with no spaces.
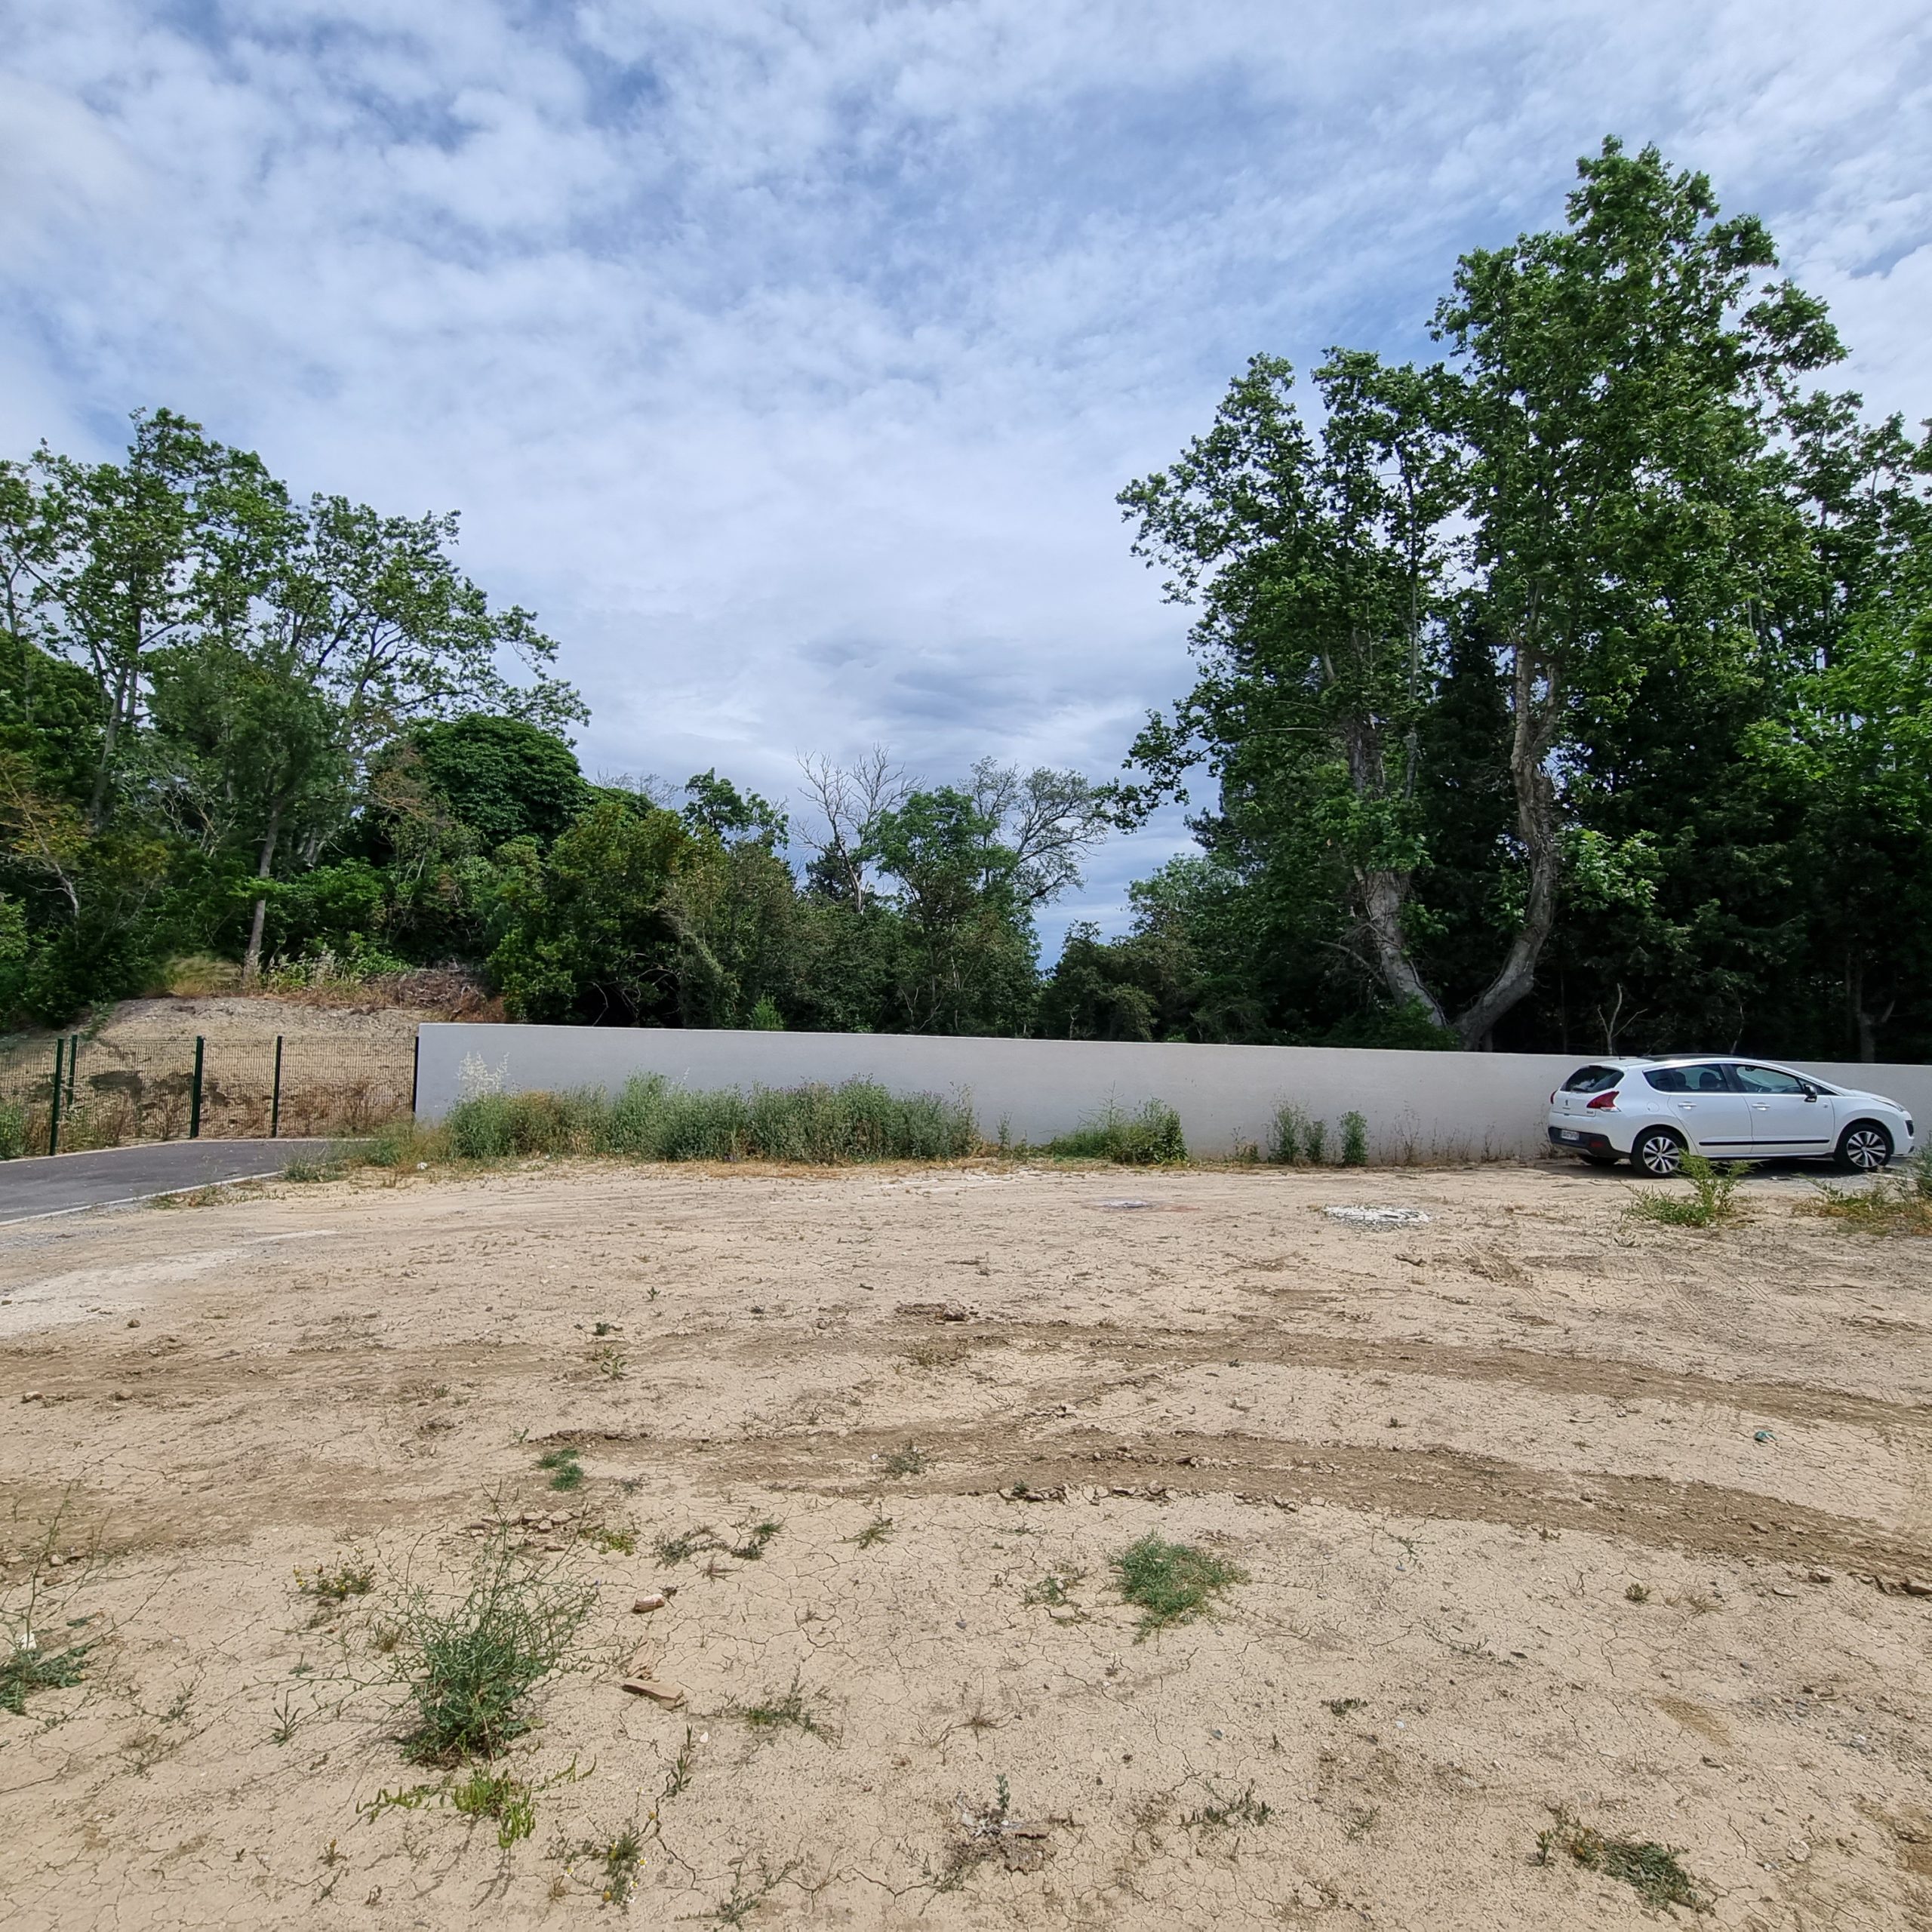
{"x":787,"y":358}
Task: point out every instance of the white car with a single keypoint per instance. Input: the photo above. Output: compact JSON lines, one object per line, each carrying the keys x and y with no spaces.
{"x":1651,"y":1112}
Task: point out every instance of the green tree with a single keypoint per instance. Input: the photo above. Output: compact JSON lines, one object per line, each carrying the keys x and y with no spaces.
{"x":503,"y":778}
{"x":585,"y":931}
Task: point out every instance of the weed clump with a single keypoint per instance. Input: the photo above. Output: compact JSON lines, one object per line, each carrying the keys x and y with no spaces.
{"x":1891,"y":1205}
{"x":331,"y":1587}
{"x":1219,"y":1812}
{"x":566,"y":1471}
{"x":790,"y":1709}
{"x":469,"y":1667}
{"x":1355,"y":1140}
{"x":651,"y":1120}
{"x":497,"y":1794}
{"x":1152,"y":1138}
{"x":1651,"y":1869}
{"x":27,"y":1667}
{"x":1708,"y":1204}
{"x":911,"y":1460}
{"x":751,"y":1545}
{"x":622,"y":1857}
{"x":1170,"y":1583}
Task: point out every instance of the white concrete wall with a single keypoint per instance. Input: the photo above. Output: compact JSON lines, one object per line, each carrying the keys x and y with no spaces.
{"x":1419,"y":1105}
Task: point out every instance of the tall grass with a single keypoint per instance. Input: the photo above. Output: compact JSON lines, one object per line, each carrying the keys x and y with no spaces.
{"x":1150,"y":1138}
{"x":651,"y":1120}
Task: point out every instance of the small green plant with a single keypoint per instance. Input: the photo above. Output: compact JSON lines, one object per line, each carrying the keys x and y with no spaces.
{"x":791,"y":1708}
{"x":1709,"y":1204}
{"x":331,"y":1587}
{"x":622,"y":1856}
{"x":498,"y":1795}
{"x":1315,"y":1141}
{"x":878,"y":1531}
{"x":1219,"y":1812}
{"x":746,"y":1899}
{"x":28,"y":1667}
{"x":468,"y":1667}
{"x":911,"y":1460}
{"x":566,"y":1471}
{"x":1638,"y":1593}
{"x":1170,"y":1583}
{"x":752,"y":1544}
{"x":1054,"y":1594}
{"x":1355,"y":1140}
{"x":1150,"y":1138}
{"x":1340,"y":1707}
{"x":611,"y":1363}
{"x":1652,"y":1869}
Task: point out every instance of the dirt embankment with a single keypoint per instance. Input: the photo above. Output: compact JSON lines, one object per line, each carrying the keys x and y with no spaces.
{"x":345,"y":1065}
{"x":1535,"y":1511}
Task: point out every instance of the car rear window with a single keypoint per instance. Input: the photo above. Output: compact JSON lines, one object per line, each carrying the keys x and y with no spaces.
{"x":1593,"y":1079}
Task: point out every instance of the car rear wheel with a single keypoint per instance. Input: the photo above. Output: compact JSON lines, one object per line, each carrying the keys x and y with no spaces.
{"x":1659,"y":1153}
{"x":1864,"y":1147}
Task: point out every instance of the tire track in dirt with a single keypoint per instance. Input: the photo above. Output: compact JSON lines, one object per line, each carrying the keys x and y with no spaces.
{"x":1655,"y":1511}
{"x":185,"y":1378}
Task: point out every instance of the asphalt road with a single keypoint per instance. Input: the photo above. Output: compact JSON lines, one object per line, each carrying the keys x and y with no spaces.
{"x":63,"y":1183}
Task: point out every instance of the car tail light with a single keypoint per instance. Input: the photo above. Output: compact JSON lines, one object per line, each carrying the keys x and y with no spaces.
{"x":1603,"y":1101}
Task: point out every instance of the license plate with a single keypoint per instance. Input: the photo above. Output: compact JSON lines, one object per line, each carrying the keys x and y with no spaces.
{"x":1568,"y":1135}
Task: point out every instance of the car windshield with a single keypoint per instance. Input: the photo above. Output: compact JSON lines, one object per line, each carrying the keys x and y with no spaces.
{"x":1593,"y":1079}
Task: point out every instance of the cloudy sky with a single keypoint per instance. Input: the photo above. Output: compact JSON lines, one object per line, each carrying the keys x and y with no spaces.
{"x":787,"y":358}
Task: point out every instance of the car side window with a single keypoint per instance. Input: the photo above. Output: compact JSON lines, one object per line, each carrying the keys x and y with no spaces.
{"x":1687,"y":1079}
{"x":1769,"y":1080}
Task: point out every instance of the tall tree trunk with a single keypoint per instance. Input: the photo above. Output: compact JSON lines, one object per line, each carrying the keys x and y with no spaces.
{"x":1536,"y":825}
{"x":97,"y":803}
{"x":251,"y":964}
{"x":1382,"y":894}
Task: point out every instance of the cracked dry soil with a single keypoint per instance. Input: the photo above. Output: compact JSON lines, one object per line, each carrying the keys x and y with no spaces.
{"x":1537,"y":1510}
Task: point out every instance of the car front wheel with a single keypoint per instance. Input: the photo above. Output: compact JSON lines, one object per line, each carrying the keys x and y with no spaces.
{"x":1864,"y":1147}
{"x":1659,"y":1153}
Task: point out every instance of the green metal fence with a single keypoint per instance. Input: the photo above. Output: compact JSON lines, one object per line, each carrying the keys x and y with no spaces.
{"x":73,"y":1092}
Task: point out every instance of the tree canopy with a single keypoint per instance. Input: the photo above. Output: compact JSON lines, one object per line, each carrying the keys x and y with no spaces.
{"x":1568,"y":690}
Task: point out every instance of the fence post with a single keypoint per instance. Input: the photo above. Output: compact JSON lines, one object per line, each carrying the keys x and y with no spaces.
{"x":274,"y":1106}
{"x":73,"y":1061}
{"x":195,"y":1101}
{"x":53,"y":1109}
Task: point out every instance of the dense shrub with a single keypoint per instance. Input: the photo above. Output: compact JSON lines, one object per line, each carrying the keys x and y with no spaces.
{"x":1151,"y":1138}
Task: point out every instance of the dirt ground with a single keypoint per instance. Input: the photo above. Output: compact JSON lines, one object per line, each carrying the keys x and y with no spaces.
{"x":1539,"y":1510}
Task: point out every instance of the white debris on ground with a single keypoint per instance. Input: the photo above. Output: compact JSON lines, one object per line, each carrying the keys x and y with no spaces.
{"x":1377,"y":1218}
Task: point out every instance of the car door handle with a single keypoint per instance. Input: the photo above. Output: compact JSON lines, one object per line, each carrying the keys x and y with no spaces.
{"x":1761,"y":1106}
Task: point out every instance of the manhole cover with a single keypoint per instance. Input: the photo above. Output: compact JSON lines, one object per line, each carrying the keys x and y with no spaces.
{"x":1377,"y":1218}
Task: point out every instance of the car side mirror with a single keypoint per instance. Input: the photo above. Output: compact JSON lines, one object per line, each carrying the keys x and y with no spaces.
{"x":1810,"y":1093}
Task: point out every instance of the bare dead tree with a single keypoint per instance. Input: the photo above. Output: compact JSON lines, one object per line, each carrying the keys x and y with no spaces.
{"x":851,"y":800}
